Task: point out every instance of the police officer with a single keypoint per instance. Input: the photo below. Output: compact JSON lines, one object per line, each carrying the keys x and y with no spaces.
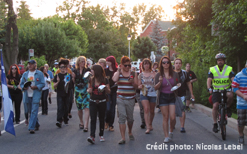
{"x":220,"y":77}
{"x":54,"y":69}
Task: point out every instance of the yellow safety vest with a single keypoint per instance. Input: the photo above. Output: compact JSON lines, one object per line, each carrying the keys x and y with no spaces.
{"x":221,"y":79}
{"x":55,"y":69}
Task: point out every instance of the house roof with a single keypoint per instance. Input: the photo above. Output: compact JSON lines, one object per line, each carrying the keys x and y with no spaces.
{"x":163,"y":24}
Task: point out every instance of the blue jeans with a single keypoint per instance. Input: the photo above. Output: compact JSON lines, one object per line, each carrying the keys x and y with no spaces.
{"x":111,"y":108}
{"x":34,"y":109}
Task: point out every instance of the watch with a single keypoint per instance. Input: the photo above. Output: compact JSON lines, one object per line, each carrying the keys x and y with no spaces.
{"x":209,"y":89}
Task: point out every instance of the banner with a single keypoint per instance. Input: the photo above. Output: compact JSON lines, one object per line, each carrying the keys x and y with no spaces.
{"x":7,"y":102}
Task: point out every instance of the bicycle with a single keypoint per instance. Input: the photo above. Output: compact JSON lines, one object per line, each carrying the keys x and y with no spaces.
{"x":222,"y":112}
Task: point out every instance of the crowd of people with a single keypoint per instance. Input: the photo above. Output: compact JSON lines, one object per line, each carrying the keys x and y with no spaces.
{"x":97,"y":90}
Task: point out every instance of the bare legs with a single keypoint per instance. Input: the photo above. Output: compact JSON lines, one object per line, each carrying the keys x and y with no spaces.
{"x":86,"y":114}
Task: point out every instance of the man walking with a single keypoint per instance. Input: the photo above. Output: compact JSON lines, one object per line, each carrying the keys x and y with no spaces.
{"x":185,"y":85}
{"x":192,"y":78}
{"x":239,"y":86}
{"x":32,"y":93}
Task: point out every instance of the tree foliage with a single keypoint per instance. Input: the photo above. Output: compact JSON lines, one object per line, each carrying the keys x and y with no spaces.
{"x":157,"y":38}
{"x":142,"y":47}
{"x":197,"y":46}
{"x":23,"y":11}
{"x":52,"y":38}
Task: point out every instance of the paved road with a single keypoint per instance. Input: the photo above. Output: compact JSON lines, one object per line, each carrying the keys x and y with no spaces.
{"x":70,"y":139}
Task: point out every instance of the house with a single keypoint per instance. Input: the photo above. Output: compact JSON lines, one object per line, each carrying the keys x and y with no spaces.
{"x":165,"y":26}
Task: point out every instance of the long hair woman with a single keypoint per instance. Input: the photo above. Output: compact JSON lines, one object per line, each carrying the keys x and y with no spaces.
{"x":13,"y":82}
{"x":97,"y":101}
{"x":112,"y":97}
{"x":148,"y":93}
{"x":45,"y":91}
{"x":81,"y":95}
{"x":165,"y":79}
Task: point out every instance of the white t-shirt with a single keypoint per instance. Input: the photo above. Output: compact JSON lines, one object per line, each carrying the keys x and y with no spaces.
{"x":47,"y":85}
{"x":31,"y":78}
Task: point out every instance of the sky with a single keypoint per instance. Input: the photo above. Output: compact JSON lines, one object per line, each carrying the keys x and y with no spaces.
{"x":45,"y":8}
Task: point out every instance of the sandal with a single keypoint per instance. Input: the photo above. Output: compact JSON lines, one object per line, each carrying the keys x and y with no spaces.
{"x":148,"y":131}
{"x":86,"y":129}
{"x":121,"y":141}
{"x":81,"y":126}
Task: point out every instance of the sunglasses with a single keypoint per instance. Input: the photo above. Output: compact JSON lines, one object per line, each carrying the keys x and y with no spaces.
{"x":62,"y":67}
{"x":165,"y":62}
{"x":13,"y":68}
{"x":127,"y":65}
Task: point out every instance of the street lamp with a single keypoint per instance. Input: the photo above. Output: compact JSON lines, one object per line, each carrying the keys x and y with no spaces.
{"x":129,"y":38}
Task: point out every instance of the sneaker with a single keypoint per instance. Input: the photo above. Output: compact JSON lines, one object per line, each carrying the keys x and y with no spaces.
{"x":215,"y":128}
{"x":143,"y":125}
{"x":241,"y":140}
{"x":182,"y":130}
{"x":66,"y":123}
{"x":32,"y":131}
{"x":170,"y":135}
{"x":229,"y":112}
{"x":91,"y":139}
{"x":166,"y":140}
{"x":59,"y":124}
{"x":187,"y":109}
{"x":101,"y":139}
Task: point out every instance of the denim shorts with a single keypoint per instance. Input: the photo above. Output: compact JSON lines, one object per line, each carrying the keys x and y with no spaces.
{"x":167,"y":99}
{"x":149,"y":98}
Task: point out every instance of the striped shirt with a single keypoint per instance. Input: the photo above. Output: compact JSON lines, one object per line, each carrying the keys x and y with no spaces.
{"x":125,"y":87}
{"x":240,"y":83}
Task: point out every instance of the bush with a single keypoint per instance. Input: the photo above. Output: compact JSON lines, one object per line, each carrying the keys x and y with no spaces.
{"x":40,"y":61}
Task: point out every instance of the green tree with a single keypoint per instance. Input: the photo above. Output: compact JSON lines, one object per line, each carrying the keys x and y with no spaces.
{"x":3,"y":14}
{"x":23,"y":11}
{"x":50,"y":39}
{"x":142,"y":47}
{"x":10,"y":49}
{"x":158,"y":39}
{"x":40,"y":61}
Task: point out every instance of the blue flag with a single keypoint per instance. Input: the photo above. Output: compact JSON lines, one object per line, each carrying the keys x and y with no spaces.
{"x":7,"y":103}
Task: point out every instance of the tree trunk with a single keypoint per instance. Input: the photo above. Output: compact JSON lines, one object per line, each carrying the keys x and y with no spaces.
{"x":11,"y":47}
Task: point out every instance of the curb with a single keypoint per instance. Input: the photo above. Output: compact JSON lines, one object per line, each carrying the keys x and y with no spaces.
{"x":231,"y":122}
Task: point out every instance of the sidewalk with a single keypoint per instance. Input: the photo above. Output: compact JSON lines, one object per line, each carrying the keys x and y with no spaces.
{"x":231,"y":122}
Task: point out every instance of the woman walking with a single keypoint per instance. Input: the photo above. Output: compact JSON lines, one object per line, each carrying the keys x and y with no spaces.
{"x":45,"y":91}
{"x":165,"y":79}
{"x":13,"y":81}
{"x":112,"y":97}
{"x":98,"y":101}
{"x":81,"y":95}
{"x":148,"y":93}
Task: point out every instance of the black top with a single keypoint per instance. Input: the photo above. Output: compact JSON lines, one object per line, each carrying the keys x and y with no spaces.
{"x":60,"y":87}
{"x":78,"y":76}
{"x":184,"y":78}
{"x":15,"y":82}
{"x":191,"y":75}
{"x":109,"y":75}
{"x":96,"y":95}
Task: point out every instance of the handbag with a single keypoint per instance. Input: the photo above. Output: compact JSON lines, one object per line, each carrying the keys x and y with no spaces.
{"x":179,"y":106}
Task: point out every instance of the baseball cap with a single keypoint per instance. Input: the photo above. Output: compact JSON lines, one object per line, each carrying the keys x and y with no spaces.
{"x":32,"y":61}
{"x":56,"y":63}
